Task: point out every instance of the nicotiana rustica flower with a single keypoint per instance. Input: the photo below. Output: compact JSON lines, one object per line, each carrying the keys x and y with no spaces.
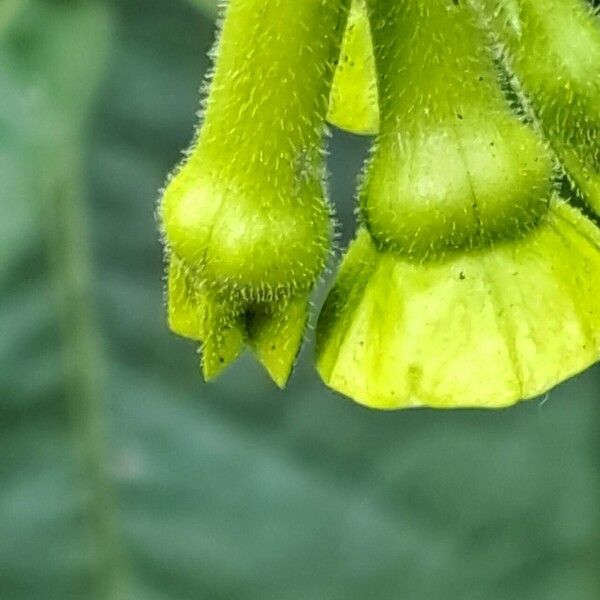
{"x":471,"y":283}
{"x":245,"y":219}
{"x":475,"y":275}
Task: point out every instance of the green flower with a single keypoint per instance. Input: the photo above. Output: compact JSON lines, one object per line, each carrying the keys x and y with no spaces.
{"x":471,"y":283}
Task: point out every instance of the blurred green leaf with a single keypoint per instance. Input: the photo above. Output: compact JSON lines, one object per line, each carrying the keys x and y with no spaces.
{"x":122,"y":475}
{"x":210,"y":7}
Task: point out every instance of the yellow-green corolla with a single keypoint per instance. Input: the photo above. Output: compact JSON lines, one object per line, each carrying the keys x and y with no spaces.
{"x":353,"y":104}
{"x":552,"y":47}
{"x":471,"y":282}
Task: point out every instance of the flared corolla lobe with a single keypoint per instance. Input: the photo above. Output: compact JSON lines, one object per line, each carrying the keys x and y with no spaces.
{"x":470,"y":282}
{"x":481,"y":329}
{"x":245,"y":219}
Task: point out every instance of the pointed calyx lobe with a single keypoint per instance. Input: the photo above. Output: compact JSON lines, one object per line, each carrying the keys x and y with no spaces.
{"x":470,"y":283}
{"x":245,"y":218}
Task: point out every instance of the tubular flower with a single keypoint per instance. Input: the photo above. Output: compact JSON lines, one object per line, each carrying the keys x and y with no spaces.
{"x":245,"y":218}
{"x":470,"y":282}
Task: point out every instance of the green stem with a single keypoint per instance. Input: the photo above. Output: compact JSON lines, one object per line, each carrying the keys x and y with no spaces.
{"x":270,"y":91}
{"x":70,"y":262}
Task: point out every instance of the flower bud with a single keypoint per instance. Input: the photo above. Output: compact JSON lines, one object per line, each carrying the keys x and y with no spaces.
{"x":245,"y":219}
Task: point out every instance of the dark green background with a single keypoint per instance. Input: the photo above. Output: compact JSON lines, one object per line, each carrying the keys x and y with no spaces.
{"x":124,"y":476}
